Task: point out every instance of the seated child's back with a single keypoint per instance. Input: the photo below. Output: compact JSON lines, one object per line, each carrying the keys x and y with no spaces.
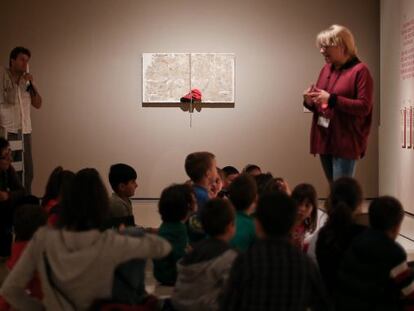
{"x":273,"y":274}
{"x":59,"y":181}
{"x":374,"y":274}
{"x":203,"y":272}
{"x":176,"y":204}
{"x":243,"y":194}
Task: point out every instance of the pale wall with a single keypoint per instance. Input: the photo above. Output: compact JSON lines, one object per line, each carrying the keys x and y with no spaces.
{"x":396,"y":174}
{"x":87,"y":64}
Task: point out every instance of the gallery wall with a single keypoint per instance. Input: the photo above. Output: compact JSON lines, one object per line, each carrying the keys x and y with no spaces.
{"x":87,"y":63}
{"x":396,"y":174}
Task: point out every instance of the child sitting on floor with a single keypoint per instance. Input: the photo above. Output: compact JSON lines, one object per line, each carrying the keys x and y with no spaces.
{"x":203,"y":272}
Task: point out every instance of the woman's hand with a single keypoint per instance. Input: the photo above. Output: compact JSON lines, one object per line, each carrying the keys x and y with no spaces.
{"x":306,"y":96}
{"x":320,"y":98}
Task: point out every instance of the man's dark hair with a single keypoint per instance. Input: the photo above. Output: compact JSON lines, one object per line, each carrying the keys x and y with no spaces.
{"x":216,"y":215}
{"x":27,"y":219}
{"x":276,"y":212}
{"x":385,"y":213}
{"x":197,"y":164}
{"x":176,"y":202}
{"x":243,"y":192}
{"x":18,"y":50}
{"x":85,"y":205}
{"x":121,"y":174}
{"x":230,"y":170}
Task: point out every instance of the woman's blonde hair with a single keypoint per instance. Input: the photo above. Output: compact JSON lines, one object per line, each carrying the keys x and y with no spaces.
{"x":337,"y":35}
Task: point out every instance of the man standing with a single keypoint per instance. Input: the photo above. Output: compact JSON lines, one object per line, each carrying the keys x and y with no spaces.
{"x":17,"y":94}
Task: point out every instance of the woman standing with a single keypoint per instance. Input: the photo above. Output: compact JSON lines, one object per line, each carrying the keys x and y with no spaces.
{"x":341,"y":102}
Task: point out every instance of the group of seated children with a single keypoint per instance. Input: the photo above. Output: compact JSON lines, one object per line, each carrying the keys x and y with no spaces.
{"x":76,"y":260}
{"x":227,"y":241}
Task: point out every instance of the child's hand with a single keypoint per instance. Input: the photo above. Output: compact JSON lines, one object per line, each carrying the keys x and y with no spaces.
{"x":4,"y":196}
{"x":121,"y":228}
{"x":151,"y":230}
{"x":284,"y":186}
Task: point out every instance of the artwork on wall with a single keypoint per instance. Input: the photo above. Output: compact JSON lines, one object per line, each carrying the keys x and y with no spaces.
{"x":169,"y":77}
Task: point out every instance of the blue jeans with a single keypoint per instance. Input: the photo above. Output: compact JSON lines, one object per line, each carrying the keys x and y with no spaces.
{"x":335,"y":168}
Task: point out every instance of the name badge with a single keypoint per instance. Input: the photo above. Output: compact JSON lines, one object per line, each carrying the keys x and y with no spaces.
{"x":324,"y":122}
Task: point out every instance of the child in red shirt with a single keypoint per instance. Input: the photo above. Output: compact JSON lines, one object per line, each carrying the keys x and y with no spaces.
{"x":306,"y":198}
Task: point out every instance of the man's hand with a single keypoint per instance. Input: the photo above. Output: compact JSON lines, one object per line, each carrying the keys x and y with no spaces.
{"x":34,"y":94}
{"x":28,"y":77}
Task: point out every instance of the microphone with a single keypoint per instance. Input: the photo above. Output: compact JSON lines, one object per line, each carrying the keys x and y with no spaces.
{"x":29,"y":85}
